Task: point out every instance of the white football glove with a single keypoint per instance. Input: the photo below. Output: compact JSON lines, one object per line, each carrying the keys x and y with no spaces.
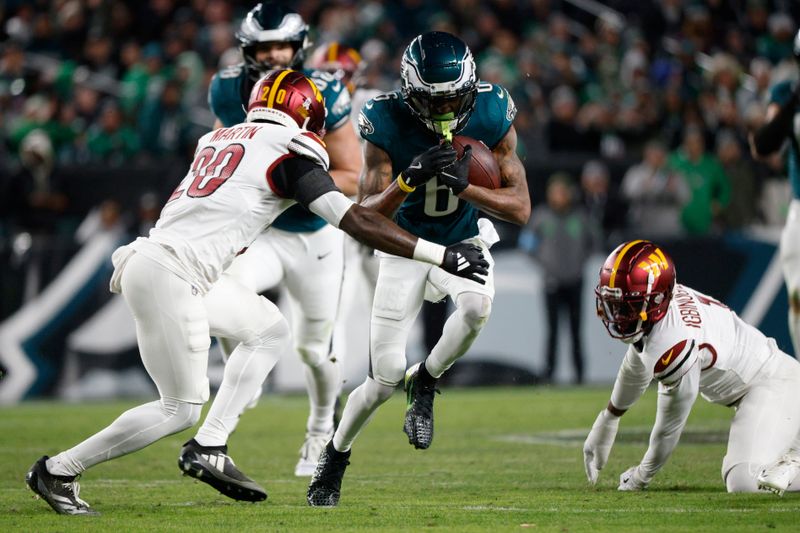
{"x":598,"y":444}
{"x":632,"y":480}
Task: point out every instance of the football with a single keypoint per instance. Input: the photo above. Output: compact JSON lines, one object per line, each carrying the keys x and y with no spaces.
{"x":483,"y":168}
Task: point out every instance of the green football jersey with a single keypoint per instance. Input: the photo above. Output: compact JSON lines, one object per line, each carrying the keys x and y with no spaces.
{"x":780,"y":94}
{"x":432,"y":211}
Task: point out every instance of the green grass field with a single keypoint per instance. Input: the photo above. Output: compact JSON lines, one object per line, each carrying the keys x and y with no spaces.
{"x":502,"y":459}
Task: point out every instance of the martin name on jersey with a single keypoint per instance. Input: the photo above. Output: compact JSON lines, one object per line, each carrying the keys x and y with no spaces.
{"x":204,"y":225}
{"x":698,"y":329}
{"x":432,"y":211}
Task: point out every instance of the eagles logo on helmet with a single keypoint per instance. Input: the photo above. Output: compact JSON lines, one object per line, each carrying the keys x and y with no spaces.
{"x":635,"y":289}
{"x":266,"y":23}
{"x":342,"y":61}
{"x":438,"y":81}
{"x":288,"y":98}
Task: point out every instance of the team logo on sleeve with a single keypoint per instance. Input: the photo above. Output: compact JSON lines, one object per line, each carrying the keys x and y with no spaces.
{"x":511,"y":110}
{"x":364,"y":124}
{"x":672,"y":360}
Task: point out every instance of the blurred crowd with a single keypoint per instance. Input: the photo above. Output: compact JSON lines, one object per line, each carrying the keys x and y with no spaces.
{"x":656,"y":97}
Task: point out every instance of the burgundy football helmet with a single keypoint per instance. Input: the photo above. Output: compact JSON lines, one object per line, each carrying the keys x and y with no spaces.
{"x":635,"y":289}
{"x":344,"y":62}
{"x":288,"y":98}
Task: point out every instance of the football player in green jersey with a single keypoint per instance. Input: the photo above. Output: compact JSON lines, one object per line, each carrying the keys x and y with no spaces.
{"x":300,"y":250}
{"x":783,"y":124}
{"x":405,"y":130}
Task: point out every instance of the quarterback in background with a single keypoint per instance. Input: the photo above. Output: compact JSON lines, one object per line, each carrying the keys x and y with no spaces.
{"x":300,"y":249}
{"x":407,"y":131}
{"x":782,"y":125}
{"x":242,"y":178}
{"x":692,"y":344}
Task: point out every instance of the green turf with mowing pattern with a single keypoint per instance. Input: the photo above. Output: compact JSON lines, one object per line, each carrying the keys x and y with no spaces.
{"x":502,"y":460}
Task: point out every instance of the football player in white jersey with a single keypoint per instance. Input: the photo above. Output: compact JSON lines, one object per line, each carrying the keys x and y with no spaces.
{"x":692,"y":344}
{"x":299,"y":250}
{"x":241,"y":180}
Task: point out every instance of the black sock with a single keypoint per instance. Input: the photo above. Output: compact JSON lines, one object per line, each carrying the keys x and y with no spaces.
{"x":332,"y":449}
{"x":425,"y":376}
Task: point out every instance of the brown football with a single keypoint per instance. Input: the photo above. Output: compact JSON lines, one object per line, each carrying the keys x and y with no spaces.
{"x":483,"y":168}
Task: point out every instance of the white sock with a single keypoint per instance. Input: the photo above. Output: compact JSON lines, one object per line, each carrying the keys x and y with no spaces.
{"x":361,"y":405}
{"x":460,"y":331}
{"x":324,"y":383}
{"x":247,"y":368}
{"x":132,"y":430}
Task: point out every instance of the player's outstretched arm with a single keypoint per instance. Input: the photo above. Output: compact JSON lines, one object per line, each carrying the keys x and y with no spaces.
{"x":311,"y":186}
{"x":379,"y":191}
{"x":375,"y":230}
{"x":674,"y":404}
{"x":511,"y":202}
{"x":344,"y":152}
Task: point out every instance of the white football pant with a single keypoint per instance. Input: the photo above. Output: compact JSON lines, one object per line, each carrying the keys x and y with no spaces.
{"x":765,"y":426}
{"x":172,"y":328}
{"x":310,"y":266}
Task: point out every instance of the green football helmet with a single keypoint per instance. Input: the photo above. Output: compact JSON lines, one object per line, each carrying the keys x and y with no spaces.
{"x":439,"y":83}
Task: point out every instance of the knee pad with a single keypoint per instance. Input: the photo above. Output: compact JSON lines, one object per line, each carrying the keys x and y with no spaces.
{"x":314,"y":340}
{"x":183,"y":414}
{"x":388,"y":366}
{"x":741,"y":478}
{"x":475,"y":308}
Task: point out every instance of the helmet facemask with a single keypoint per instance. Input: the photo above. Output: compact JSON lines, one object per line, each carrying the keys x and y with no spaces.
{"x":444,"y":113}
{"x":267,"y":26}
{"x":439,"y":82}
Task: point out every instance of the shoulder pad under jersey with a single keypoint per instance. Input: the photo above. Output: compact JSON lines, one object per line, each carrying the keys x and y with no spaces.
{"x":493,"y":115}
{"x":224,"y":95}
{"x":337,"y":98}
{"x":308,"y":144}
{"x":375,"y":122}
{"x":672,"y":362}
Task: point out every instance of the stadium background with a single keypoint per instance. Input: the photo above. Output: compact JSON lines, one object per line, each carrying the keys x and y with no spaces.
{"x":101,"y":103}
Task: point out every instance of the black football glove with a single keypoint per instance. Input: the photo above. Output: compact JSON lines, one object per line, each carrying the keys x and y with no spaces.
{"x":456,"y":176}
{"x":427,"y":164}
{"x":466,"y":261}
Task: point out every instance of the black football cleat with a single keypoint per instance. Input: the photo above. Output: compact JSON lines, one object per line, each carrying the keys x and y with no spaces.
{"x":418,"y":423}
{"x":326,"y":483}
{"x":60,"y":492}
{"x":211,"y":464}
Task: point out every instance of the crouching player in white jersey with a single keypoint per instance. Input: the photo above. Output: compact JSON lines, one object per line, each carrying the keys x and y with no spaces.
{"x":693,"y":344}
{"x":241,"y":179}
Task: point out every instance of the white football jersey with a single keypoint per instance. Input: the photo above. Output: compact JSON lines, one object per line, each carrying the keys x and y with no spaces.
{"x":698,"y":329}
{"x":226,"y":199}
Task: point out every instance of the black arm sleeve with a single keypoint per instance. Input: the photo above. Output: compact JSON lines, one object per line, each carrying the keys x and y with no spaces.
{"x":769,"y":137}
{"x":301,"y":179}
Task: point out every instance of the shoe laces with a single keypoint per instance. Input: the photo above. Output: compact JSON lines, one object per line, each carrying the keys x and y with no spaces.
{"x":423,"y":399}
{"x":73,"y":488}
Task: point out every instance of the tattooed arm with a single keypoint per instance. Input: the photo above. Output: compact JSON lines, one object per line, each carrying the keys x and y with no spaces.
{"x":511,"y":202}
{"x":377,"y":189}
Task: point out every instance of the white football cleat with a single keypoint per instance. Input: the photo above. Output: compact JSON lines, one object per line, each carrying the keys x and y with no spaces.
{"x":779,"y":476}
{"x":310,"y":452}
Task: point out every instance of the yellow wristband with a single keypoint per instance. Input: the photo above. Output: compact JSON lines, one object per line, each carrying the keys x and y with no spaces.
{"x":403,"y":185}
